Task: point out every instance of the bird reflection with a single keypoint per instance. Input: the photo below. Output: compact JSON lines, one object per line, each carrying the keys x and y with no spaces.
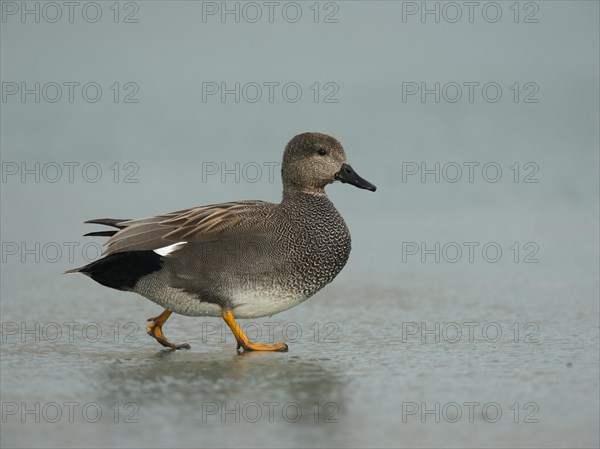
{"x":193,"y":383}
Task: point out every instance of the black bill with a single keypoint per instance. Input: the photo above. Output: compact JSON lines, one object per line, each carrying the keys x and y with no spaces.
{"x":348,"y":175}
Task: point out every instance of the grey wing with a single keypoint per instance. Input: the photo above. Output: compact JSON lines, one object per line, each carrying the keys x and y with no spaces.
{"x":200,"y":224}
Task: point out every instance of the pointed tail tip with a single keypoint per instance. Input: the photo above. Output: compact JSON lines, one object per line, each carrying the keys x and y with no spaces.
{"x":74,"y":270}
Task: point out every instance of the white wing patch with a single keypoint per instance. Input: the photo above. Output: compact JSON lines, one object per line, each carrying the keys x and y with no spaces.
{"x":169,"y":249}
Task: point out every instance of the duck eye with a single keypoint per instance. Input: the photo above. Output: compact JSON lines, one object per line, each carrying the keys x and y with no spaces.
{"x":322,"y":152}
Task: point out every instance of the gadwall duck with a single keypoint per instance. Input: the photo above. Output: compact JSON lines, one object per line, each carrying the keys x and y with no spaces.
{"x":244,"y":259}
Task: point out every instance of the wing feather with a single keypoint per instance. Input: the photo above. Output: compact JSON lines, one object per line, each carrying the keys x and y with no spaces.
{"x":202,"y":224}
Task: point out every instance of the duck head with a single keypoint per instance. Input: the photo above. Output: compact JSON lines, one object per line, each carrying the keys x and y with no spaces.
{"x":313,"y":160}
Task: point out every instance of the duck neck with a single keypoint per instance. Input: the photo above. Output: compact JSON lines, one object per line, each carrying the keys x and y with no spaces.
{"x":292,"y":193}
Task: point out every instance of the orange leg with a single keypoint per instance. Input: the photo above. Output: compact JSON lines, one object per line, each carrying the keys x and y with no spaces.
{"x":155,"y":330}
{"x":242,"y":339}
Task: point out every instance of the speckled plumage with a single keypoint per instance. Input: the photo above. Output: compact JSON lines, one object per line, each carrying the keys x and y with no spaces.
{"x":253,"y":258}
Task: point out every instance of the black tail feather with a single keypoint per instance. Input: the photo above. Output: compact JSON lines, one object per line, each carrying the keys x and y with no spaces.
{"x":114,"y":222}
{"x":100,"y":234}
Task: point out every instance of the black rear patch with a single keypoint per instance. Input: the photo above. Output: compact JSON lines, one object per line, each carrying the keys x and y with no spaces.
{"x":123,"y":270}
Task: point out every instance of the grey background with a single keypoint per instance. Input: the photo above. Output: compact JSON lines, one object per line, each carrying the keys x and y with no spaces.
{"x":373,"y":367}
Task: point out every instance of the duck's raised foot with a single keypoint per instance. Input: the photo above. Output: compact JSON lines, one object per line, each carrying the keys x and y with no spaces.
{"x":155,"y":331}
{"x":168,"y":344}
